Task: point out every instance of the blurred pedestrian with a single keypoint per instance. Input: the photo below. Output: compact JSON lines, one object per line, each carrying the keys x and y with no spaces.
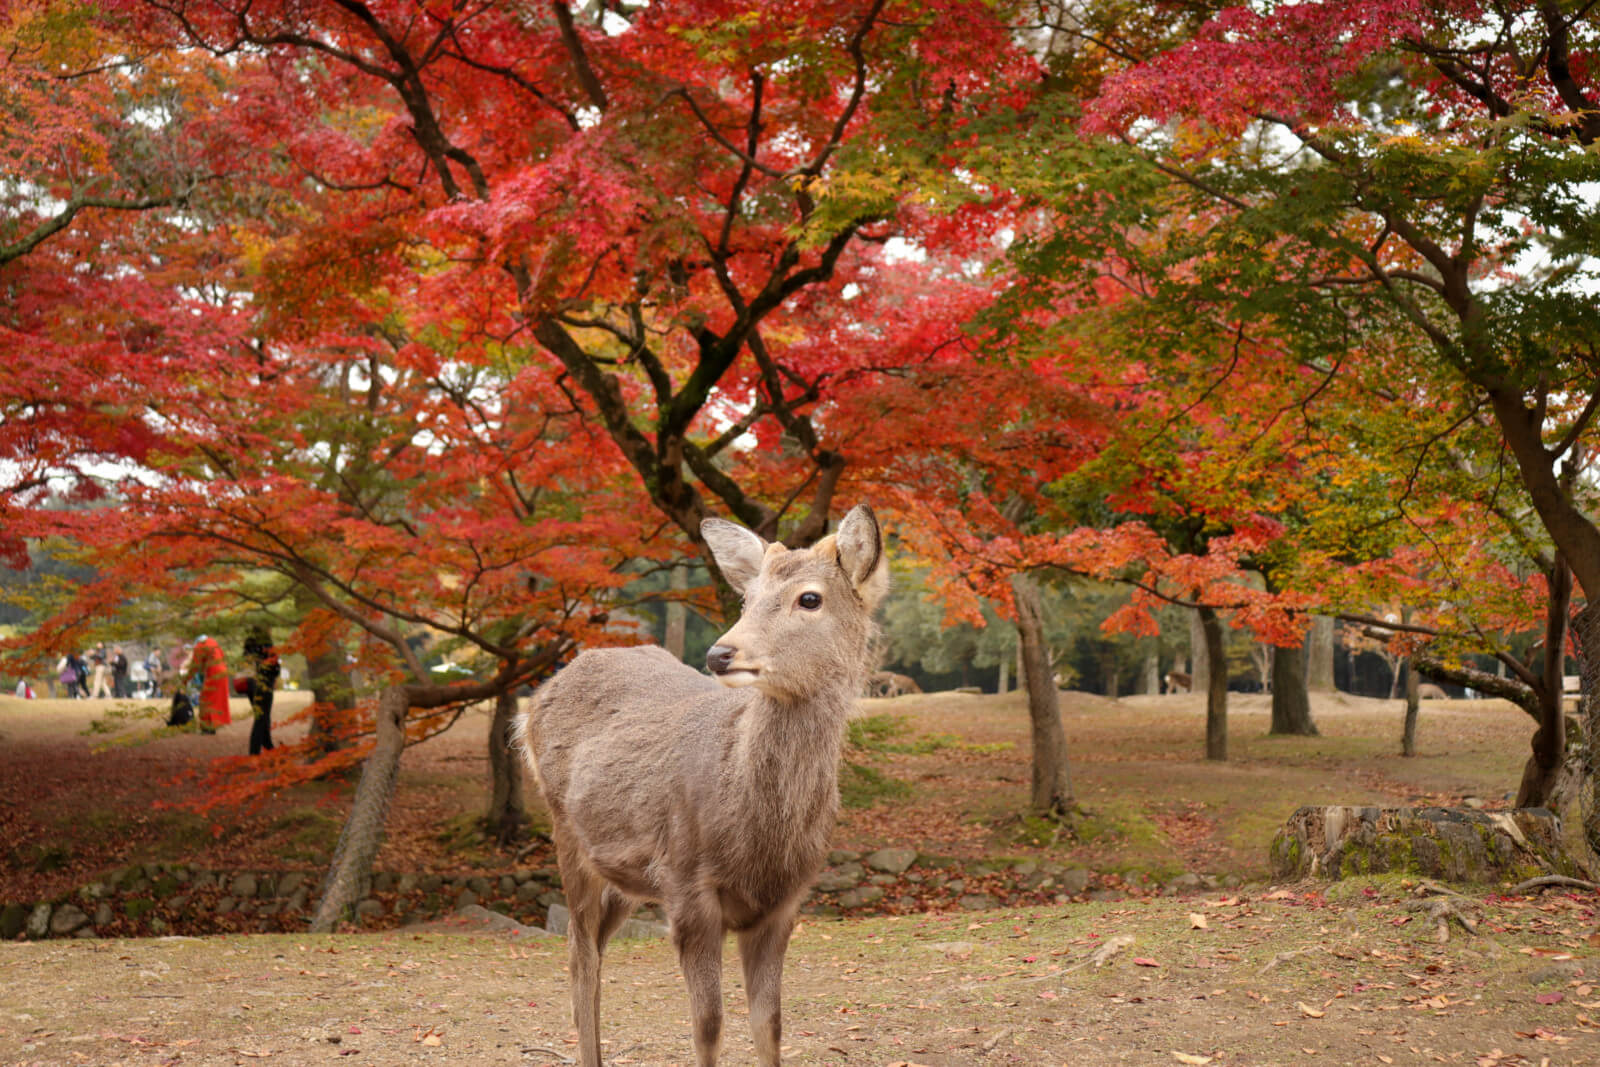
{"x":207,"y":666}
{"x":67,"y":675}
{"x":263,"y":680}
{"x":100,"y":670}
{"x":120,"y":682}
{"x":155,"y":665}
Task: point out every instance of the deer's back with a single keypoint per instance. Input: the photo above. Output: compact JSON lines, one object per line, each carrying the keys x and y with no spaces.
{"x":647,"y":763}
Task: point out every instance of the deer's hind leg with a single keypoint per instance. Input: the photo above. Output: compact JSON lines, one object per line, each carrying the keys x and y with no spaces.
{"x":596,"y":911}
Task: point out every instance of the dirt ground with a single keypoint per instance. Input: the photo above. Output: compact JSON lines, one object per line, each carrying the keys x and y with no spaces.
{"x":1281,"y":976}
{"x":1350,"y":974}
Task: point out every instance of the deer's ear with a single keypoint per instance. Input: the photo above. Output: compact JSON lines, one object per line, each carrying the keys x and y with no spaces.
{"x":738,"y":552}
{"x":860,"y":542}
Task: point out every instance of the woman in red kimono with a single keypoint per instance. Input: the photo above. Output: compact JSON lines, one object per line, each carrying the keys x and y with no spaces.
{"x":206,"y":664}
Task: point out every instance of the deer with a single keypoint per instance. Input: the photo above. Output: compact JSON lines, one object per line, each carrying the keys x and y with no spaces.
{"x":712,"y":795}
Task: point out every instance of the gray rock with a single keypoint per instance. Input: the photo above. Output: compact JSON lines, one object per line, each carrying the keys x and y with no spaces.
{"x":103,"y":914}
{"x":407,"y":883}
{"x":94,"y":891}
{"x":860,"y":896}
{"x":551,"y":898}
{"x":383,"y":882}
{"x":1561,"y":971}
{"x":297,"y":900}
{"x":956,"y":885}
{"x":205,"y":880}
{"x":522,"y":875}
{"x":225,"y":905}
{"x":844,"y":876}
{"x":266,"y":886}
{"x":1074,"y":880}
{"x":1187,"y":882}
{"x":891,"y":860}
{"x":369,"y":908}
{"x":432,"y":883}
{"x":977,"y":902}
{"x":39,"y":922}
{"x":290,"y":883}
{"x":66,"y":919}
{"x":465,"y":899}
{"x":244,"y":886}
{"x":1024,"y":868}
{"x":479,"y":885}
{"x":842,"y":855}
{"x":158,"y":926}
{"x":508,"y":884}
{"x":558,"y":918}
{"x":884,"y":879}
{"x":497,"y":923}
{"x":529,"y":891}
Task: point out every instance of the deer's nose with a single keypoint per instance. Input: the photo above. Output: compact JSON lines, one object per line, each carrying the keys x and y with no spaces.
{"x":719,"y":658}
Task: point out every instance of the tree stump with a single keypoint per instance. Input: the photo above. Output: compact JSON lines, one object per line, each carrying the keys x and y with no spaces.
{"x":1453,"y":844}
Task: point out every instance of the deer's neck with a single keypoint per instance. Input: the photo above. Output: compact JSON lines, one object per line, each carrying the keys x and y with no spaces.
{"x":789,"y":755}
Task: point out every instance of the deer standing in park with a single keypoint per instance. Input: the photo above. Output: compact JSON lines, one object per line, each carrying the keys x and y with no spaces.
{"x":715,"y":796}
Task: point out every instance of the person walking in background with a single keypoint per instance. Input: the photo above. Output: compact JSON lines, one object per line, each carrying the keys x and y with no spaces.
{"x":155,"y":665}
{"x":120,"y":687}
{"x":67,"y":675}
{"x":263,"y":658}
{"x":207,"y":666}
{"x":100,"y":667}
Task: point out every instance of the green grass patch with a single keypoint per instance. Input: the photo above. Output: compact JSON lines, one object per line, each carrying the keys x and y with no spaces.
{"x":885,"y":733}
{"x":861,"y":786}
{"x":310,"y":834}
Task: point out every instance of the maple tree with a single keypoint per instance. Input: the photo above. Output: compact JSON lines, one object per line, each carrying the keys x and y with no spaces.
{"x":655,"y":227}
{"x":1326,"y":178}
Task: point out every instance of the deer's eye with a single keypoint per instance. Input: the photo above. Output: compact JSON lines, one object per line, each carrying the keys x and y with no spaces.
{"x":810,"y":601}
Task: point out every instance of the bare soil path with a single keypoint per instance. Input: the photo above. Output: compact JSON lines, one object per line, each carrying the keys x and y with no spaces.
{"x":1284,"y":976}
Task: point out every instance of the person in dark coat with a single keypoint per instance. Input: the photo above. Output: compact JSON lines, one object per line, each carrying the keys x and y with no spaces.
{"x":258,"y":651}
{"x":121,"y":687}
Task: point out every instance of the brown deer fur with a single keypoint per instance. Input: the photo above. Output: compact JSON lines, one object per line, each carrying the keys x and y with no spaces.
{"x":716,"y":799}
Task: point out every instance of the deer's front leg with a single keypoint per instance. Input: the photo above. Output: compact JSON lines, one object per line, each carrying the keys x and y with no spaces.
{"x":761,"y":950}
{"x":697,"y":934}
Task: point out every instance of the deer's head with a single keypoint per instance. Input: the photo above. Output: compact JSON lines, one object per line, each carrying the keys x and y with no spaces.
{"x":807,"y":612}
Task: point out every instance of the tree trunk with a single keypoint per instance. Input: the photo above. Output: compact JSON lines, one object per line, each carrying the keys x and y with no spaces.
{"x":1003,"y":686}
{"x":677,"y":613}
{"x":505,"y":816}
{"x":1152,"y":673}
{"x":1291,"y":702}
{"x":1108,"y":673}
{"x":1586,"y":627}
{"x":1408,"y":737}
{"x":1319,"y":655}
{"x":332,"y":699}
{"x":1216,"y":685}
{"x":1542,"y":774}
{"x":1052,"y":778}
{"x":1199,"y":661}
{"x":350,"y":874}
